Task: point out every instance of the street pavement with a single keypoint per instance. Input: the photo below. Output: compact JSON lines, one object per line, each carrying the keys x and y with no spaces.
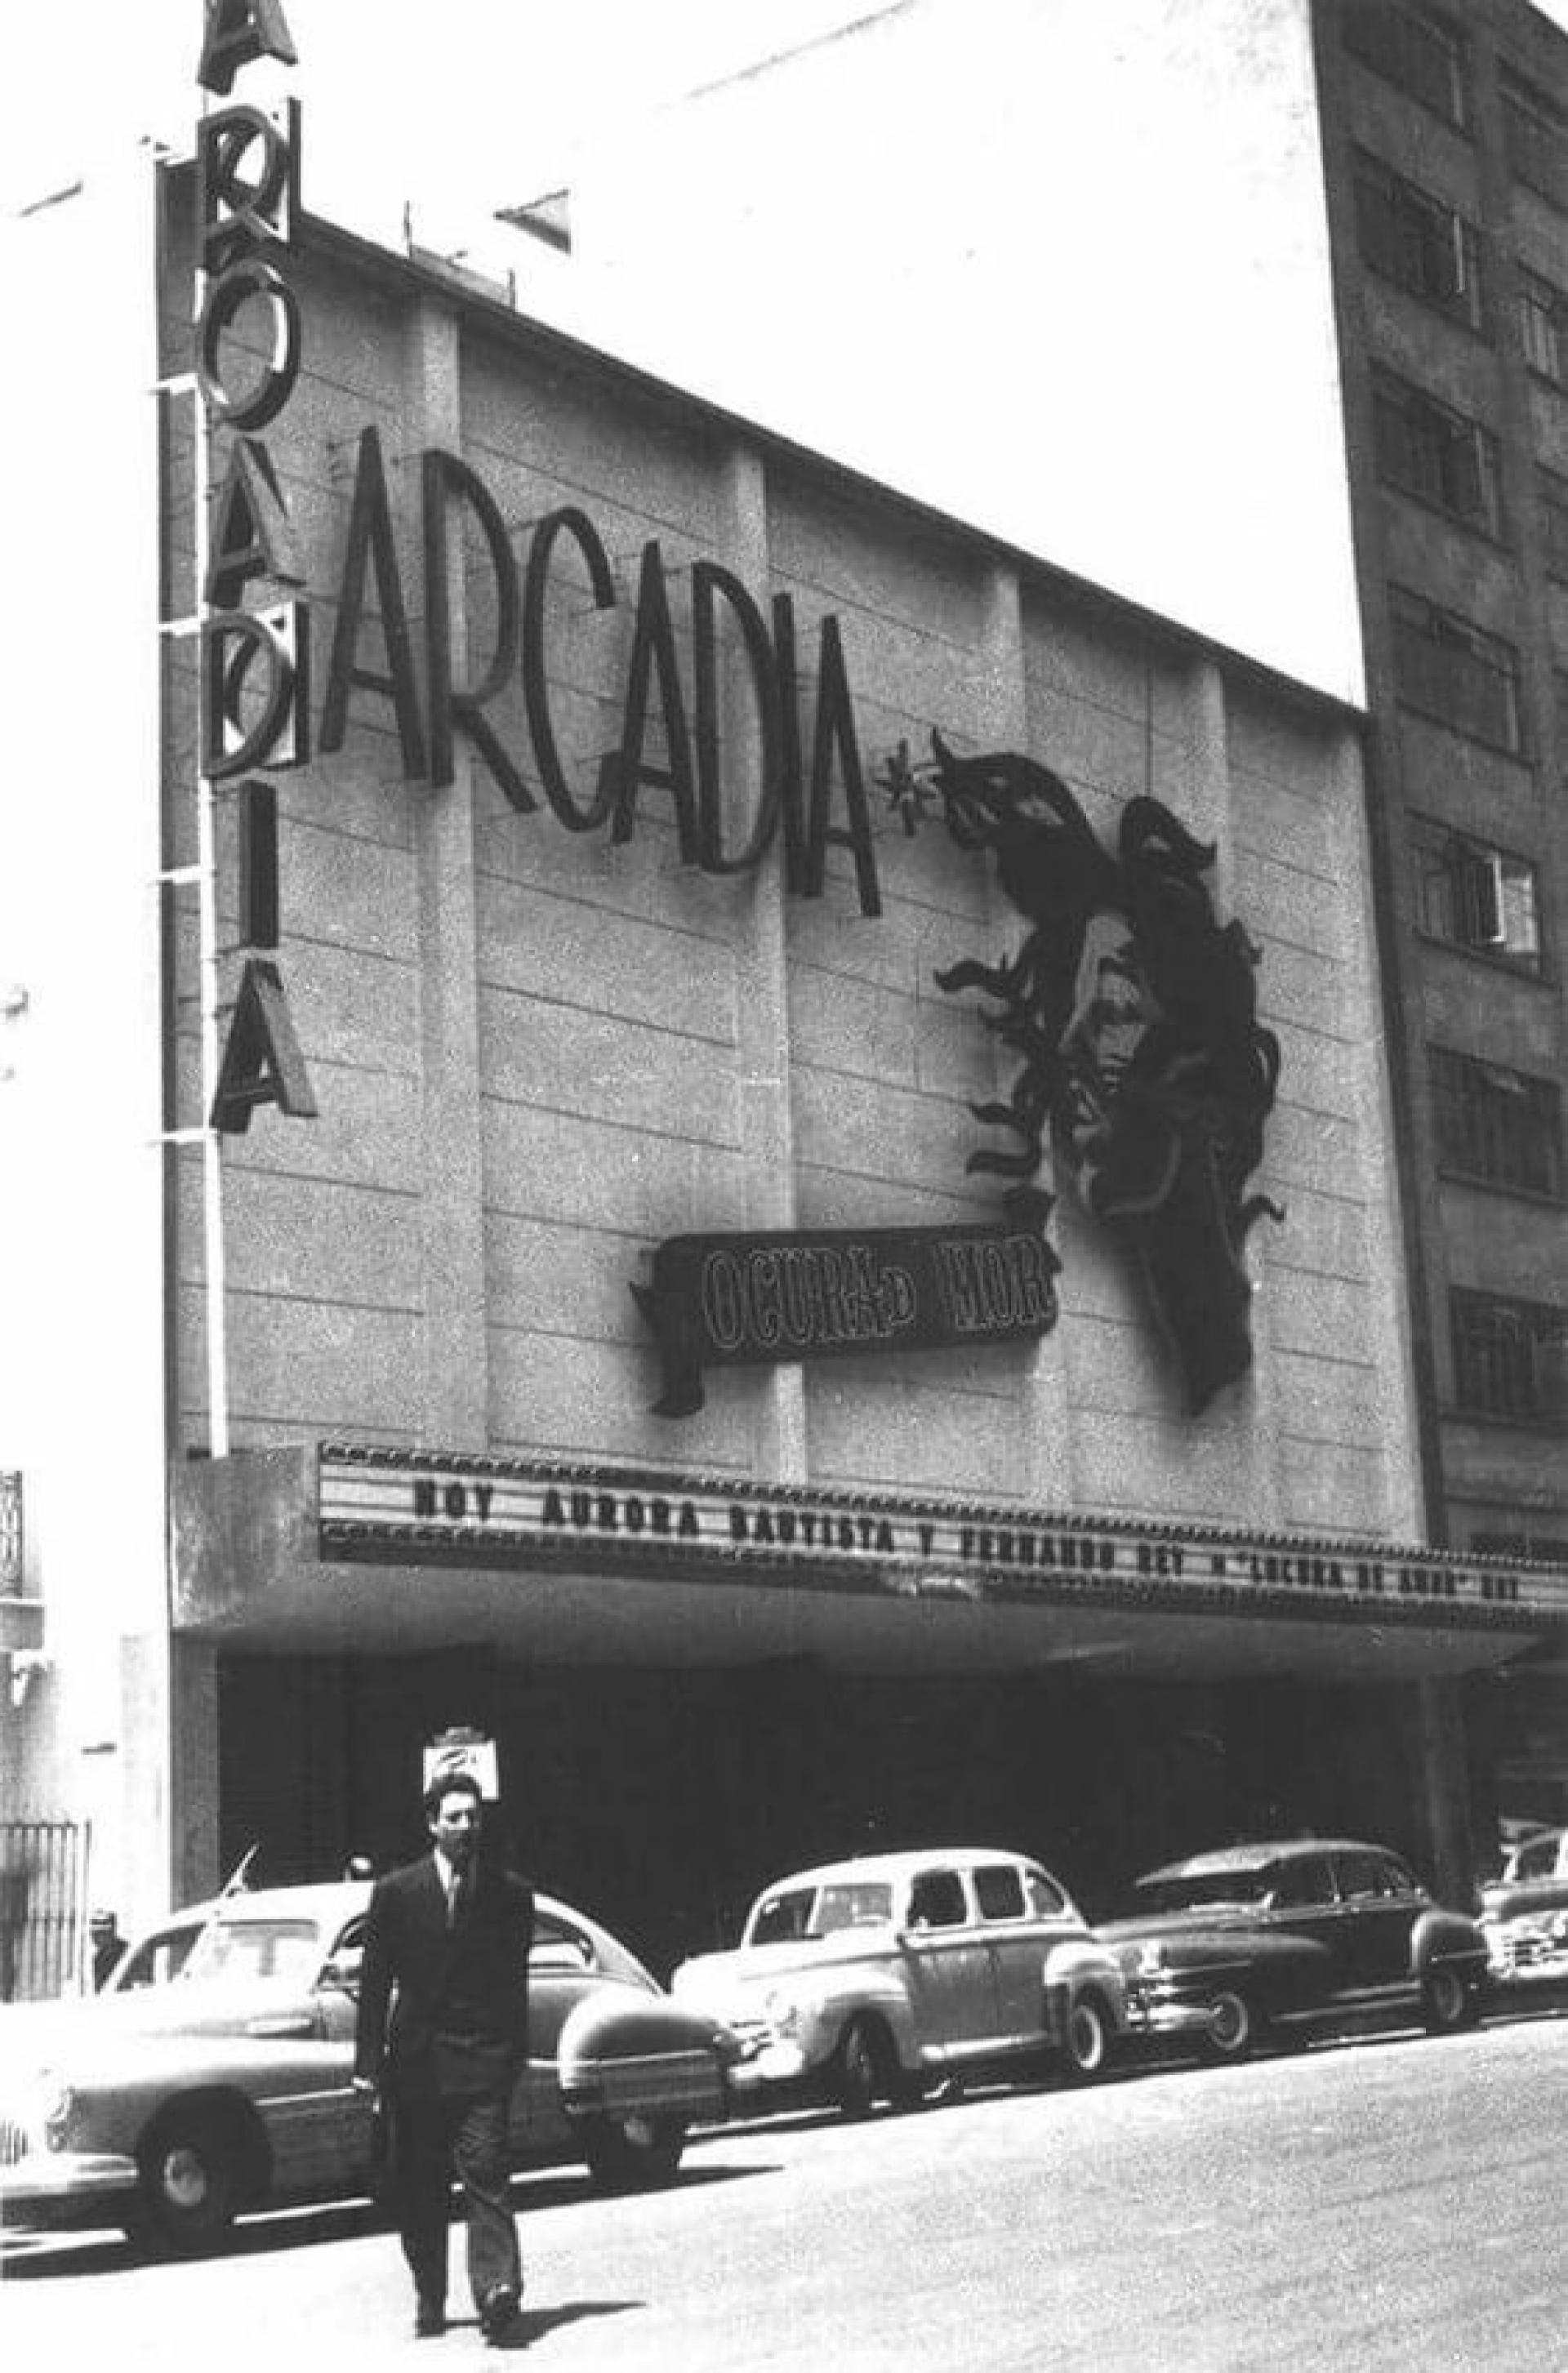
{"x":1388,"y":2203}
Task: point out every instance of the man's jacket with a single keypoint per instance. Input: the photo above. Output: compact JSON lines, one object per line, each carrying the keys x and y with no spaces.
{"x":443,"y":2007}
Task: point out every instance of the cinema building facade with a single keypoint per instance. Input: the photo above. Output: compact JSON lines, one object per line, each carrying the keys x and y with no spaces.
{"x":745,"y":1145}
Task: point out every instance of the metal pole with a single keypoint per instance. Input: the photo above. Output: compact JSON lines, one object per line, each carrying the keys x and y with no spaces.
{"x":213,"y":1264}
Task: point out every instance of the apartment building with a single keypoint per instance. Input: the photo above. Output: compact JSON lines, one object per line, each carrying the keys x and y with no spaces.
{"x":1446,"y":144}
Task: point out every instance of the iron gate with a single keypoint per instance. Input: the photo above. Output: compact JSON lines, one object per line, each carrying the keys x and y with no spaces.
{"x":44,"y":1915}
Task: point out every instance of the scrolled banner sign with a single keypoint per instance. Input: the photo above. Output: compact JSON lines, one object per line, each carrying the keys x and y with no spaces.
{"x":745,"y":1300}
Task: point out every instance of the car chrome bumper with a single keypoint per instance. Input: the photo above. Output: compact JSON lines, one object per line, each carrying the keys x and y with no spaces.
{"x":65,"y":2187}
{"x":1163,"y":2015}
{"x":776,"y":2060}
{"x":1528,"y":1963}
{"x":664,"y":2083}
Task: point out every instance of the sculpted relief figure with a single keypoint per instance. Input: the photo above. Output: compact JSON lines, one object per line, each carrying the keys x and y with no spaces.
{"x":1134,"y":1013}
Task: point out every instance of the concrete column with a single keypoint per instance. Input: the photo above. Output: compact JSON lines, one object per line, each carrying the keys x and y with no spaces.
{"x":1042,"y":1468}
{"x":1435,"y":1744}
{"x":193,"y":1768}
{"x":456,"y":1395}
{"x":1250,"y":1412}
{"x":136,"y":1864}
{"x":767,"y":1133}
{"x":1398,"y":1426}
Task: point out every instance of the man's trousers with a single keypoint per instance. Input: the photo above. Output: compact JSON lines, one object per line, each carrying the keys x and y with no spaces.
{"x":437,"y":2137}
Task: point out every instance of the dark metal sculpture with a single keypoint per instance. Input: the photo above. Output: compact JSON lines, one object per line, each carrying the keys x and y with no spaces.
{"x":1134,"y":1012}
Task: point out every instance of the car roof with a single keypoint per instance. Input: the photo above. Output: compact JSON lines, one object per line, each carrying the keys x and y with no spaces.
{"x":330,"y":1902}
{"x":1260,"y":1853}
{"x":904,"y":1863}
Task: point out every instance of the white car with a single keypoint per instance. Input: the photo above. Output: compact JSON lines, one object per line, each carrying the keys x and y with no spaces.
{"x":864,"y":1981}
{"x":213,"y":2074}
{"x":1525,"y":1913}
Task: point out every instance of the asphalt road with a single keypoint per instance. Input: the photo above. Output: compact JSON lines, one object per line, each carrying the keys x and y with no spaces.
{"x":1388,"y":2203}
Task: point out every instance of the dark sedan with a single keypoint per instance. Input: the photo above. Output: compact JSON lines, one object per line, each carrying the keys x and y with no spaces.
{"x":1258,"y":1940}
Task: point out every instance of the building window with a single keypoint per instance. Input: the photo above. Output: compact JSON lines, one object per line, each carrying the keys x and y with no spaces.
{"x":1416,"y":242}
{"x":1555,"y":519}
{"x":1497,"y":1125}
{"x":1543,"y":326}
{"x":1429,"y":450}
{"x":1475,"y":897}
{"x":1510,"y":1358}
{"x":1534,"y":135}
{"x":1455,"y":673}
{"x":1423,"y":55}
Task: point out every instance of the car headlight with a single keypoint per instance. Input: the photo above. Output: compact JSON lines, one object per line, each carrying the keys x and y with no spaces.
{"x":47,"y":2109}
{"x":781,"y":2010}
{"x":1151,"y":1957}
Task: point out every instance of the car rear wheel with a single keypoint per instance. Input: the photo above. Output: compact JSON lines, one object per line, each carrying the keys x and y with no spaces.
{"x":864,"y":2068}
{"x":633,"y":2153}
{"x":1086,"y":2039}
{"x":1447,"y":2004}
{"x":1234,"y":2026}
{"x":190,"y":2185}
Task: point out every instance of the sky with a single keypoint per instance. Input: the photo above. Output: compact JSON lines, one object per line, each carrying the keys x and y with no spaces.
{"x":406,"y":133}
{"x":468,"y":104}
{"x":501,"y":98}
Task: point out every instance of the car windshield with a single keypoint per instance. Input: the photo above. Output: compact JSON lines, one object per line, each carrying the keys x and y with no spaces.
{"x":248,"y":1952}
{"x":802,"y":1912}
{"x":1202,"y":1889}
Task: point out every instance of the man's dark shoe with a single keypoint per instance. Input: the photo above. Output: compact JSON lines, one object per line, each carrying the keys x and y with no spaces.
{"x":429,"y":2320}
{"x":498,"y":2318}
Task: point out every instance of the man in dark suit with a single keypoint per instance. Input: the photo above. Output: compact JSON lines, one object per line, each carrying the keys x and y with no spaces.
{"x":446,"y":1951}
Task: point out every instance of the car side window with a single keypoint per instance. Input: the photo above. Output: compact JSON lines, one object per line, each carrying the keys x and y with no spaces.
{"x":1391,"y":1877}
{"x":780,"y":1919}
{"x":1299,"y":1885}
{"x":347,"y":1954}
{"x":157,"y":1960}
{"x":1046,"y":1900}
{"x":937,"y":1901}
{"x":999,"y":1891}
{"x":1538,"y":1861}
{"x":559,"y":1943}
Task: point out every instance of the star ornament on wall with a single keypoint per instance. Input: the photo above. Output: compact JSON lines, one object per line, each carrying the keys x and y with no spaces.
{"x":911,"y":788}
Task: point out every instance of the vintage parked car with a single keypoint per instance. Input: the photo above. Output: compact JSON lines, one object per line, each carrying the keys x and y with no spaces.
{"x":1523,"y":1913}
{"x":213,"y":2074}
{"x":865,"y":1979}
{"x":1260,"y":1940}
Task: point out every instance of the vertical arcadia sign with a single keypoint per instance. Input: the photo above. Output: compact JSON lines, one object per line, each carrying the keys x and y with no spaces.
{"x":254,"y":671}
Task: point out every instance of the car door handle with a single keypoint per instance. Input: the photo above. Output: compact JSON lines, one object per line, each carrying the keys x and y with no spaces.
{"x":285,"y":2028}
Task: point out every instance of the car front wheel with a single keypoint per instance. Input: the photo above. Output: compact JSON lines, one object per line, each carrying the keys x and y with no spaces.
{"x":1447,"y":2004}
{"x":1233,"y":2027}
{"x":633,"y":2153}
{"x":1086,"y":2039}
{"x":862,"y":2069}
{"x":189,"y":2186}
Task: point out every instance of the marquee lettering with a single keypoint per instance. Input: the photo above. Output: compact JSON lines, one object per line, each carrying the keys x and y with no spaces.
{"x":733,"y":1301}
{"x":711,"y":584}
{"x":689,"y":771}
{"x":261,"y":1063}
{"x":252,"y":532}
{"x":241,"y":211}
{"x":237,"y":34}
{"x":370,"y":544}
{"x":445,"y":475}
